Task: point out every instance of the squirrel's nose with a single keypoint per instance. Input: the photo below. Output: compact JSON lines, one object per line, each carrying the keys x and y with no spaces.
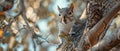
{"x":64,"y":20}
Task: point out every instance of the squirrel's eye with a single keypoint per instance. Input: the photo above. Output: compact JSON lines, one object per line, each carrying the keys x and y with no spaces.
{"x":69,"y":13}
{"x":59,"y":14}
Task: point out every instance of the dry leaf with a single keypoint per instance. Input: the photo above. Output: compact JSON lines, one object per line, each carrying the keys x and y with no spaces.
{"x":1,"y":33}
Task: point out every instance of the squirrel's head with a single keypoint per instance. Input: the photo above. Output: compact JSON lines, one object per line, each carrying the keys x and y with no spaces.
{"x":66,"y":14}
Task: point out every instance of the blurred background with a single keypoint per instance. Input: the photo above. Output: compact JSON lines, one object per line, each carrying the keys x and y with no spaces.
{"x":42,"y":17}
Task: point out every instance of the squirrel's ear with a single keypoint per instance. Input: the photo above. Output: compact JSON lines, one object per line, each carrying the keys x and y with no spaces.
{"x":58,"y":8}
{"x":72,"y":6}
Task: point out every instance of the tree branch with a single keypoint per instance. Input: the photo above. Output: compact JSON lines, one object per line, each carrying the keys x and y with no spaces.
{"x":109,"y":41}
{"x":92,"y":36}
{"x":101,"y":25}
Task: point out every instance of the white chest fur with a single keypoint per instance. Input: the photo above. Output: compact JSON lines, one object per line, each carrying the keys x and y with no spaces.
{"x":65,"y":27}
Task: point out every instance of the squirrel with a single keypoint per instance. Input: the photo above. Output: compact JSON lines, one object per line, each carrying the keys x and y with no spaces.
{"x":66,"y":20}
{"x":68,"y":24}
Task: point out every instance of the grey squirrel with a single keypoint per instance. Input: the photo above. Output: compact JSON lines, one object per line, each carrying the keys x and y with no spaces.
{"x":69,"y":25}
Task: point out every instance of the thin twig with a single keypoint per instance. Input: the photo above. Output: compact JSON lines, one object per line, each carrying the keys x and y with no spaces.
{"x":26,"y":21}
